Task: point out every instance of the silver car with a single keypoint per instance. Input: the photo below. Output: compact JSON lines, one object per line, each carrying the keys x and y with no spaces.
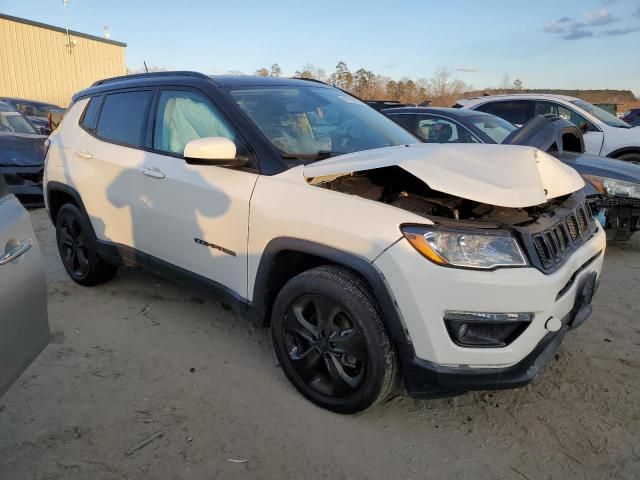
{"x":24,"y":327}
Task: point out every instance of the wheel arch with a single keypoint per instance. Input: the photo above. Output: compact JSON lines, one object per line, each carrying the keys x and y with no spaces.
{"x":57,"y":195}
{"x":285,"y":257}
{"x":622,"y":151}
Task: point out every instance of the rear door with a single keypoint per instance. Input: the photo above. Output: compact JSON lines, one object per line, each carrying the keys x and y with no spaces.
{"x":106,"y":165}
{"x":24,"y":328}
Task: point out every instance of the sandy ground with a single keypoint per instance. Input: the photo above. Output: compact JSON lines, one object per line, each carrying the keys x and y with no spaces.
{"x":141,"y":358}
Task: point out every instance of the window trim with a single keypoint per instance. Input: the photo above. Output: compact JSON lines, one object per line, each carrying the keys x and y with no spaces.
{"x":94,"y":133}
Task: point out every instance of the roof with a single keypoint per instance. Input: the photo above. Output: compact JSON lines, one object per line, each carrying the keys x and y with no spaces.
{"x":514,"y":96}
{"x":453,"y":112}
{"x":186,"y":78}
{"x":61,"y":30}
{"x":252,"y":80}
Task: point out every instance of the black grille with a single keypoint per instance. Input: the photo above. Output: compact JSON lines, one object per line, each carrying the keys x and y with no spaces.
{"x":551,"y":240}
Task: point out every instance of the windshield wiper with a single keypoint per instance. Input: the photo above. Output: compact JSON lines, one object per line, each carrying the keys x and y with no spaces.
{"x":311,"y":157}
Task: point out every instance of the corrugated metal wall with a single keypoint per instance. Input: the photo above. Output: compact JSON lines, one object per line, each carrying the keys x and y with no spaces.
{"x":35,"y":63}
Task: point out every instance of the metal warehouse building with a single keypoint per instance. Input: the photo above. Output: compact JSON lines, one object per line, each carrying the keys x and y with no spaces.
{"x":47,"y":63}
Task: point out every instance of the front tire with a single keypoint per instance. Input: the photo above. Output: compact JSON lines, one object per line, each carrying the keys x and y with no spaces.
{"x":77,"y":248}
{"x":330,"y":340}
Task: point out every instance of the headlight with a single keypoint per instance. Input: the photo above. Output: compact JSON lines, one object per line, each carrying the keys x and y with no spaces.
{"x":614,"y":187}
{"x":457,"y":248}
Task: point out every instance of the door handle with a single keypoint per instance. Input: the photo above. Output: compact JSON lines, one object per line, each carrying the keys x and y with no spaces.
{"x":85,"y":155}
{"x":153,"y":172}
{"x":16,"y":252}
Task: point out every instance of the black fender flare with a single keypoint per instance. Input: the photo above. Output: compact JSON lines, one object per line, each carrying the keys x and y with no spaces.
{"x":360,"y":265}
{"x":622,"y":151}
{"x":54,"y":186}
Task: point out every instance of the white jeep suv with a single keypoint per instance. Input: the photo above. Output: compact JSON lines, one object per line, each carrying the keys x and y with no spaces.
{"x":373,"y":257}
{"x":604,"y":134}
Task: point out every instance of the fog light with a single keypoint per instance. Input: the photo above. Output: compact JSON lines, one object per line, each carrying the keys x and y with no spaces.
{"x":482,"y":330}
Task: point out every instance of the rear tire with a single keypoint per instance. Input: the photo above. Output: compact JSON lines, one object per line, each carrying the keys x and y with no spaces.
{"x":330,"y":340}
{"x":77,"y":248}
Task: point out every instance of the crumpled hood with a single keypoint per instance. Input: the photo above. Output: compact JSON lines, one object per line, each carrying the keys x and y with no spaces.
{"x":21,"y":150}
{"x":500,"y":175}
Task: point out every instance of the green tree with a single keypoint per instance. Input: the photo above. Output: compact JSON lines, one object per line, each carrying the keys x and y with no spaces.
{"x":517,"y":84}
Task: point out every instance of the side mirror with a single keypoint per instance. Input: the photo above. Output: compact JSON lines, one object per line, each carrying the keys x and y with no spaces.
{"x":219,"y":151}
{"x":584,"y":127}
{"x":44,"y":130}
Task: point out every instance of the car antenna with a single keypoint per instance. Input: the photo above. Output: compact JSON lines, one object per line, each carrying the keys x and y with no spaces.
{"x":145,"y":66}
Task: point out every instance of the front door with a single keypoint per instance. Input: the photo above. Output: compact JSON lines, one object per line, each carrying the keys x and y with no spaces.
{"x":198,"y":215}
{"x":24,"y":328}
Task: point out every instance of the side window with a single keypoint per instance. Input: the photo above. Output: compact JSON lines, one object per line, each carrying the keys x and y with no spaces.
{"x":407,"y":121}
{"x":90,"y":114}
{"x":517,"y":112}
{"x":438,"y":130}
{"x":183,"y":116}
{"x":123,"y":118}
{"x":552,"y":108}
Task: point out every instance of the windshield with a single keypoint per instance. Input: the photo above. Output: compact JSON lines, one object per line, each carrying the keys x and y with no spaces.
{"x":601,"y":114}
{"x":315,"y":122}
{"x":13,"y":122}
{"x":494,"y":127}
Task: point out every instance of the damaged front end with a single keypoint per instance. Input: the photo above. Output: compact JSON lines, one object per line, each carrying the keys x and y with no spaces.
{"x":22,"y":166}
{"x":539,"y":224}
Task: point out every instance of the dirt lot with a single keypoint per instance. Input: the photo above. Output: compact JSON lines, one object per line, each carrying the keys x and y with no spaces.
{"x":140,"y":356}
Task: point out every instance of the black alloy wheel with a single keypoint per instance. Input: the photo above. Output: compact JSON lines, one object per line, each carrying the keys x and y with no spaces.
{"x":73,"y":246}
{"x":324,"y":345}
{"x":77,"y":248}
{"x":330,"y":339}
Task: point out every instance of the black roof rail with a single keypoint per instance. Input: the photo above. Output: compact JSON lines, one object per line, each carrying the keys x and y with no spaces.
{"x":310,"y":80}
{"x":151,"y":74}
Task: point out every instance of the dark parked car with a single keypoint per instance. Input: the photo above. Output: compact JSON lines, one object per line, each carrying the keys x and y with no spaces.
{"x":612,"y":185}
{"x":632,"y":117}
{"x":24,"y":328}
{"x":21,"y":155}
{"x":384,"y":104}
{"x":39,"y":113}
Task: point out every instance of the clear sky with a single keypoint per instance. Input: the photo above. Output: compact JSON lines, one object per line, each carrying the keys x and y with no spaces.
{"x":545,"y":43}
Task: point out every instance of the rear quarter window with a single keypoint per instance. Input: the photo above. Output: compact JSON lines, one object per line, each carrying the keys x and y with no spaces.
{"x":123,"y":118}
{"x":88,"y":120}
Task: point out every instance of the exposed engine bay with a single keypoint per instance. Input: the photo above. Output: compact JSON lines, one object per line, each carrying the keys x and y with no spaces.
{"x":395,"y":186}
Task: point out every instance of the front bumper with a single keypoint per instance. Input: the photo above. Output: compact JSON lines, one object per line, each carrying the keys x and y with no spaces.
{"x":25,"y":183}
{"x":424,"y":379}
{"x":424,"y":292}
